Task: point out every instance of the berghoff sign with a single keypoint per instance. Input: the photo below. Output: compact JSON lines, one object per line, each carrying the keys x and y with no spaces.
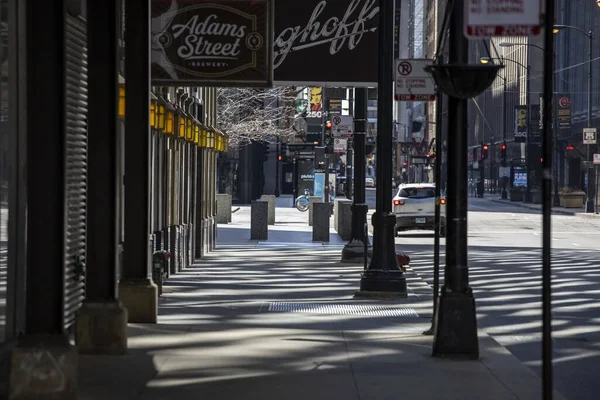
{"x":326,"y":42}
{"x":215,"y":42}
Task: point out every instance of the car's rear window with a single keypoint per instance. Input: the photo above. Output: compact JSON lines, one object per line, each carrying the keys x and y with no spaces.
{"x":417,"y":193}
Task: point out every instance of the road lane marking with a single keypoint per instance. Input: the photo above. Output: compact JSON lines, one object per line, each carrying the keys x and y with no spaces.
{"x":574,"y":244}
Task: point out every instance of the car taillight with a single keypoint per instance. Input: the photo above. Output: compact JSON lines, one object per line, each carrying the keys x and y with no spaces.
{"x":398,"y":202}
{"x":443,"y":201}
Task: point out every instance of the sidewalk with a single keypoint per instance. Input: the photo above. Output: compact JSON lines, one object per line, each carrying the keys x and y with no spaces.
{"x":557,"y":210}
{"x":276,"y":320}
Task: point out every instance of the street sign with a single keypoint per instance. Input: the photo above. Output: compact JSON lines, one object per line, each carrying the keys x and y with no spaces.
{"x":589,"y":135}
{"x":412,"y":82}
{"x":487,"y":18}
{"x":343,"y":126}
{"x":504,"y":172}
{"x":340,"y":145}
{"x":588,"y":164}
{"x":596,"y":158}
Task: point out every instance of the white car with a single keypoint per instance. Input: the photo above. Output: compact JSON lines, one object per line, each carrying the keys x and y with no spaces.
{"x":369,"y":182}
{"x":414,"y":206}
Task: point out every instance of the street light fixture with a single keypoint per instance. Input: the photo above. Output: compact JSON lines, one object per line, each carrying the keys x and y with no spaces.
{"x":589,"y":204}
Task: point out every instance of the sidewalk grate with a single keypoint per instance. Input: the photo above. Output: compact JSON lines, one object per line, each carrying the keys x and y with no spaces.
{"x":345,"y":309}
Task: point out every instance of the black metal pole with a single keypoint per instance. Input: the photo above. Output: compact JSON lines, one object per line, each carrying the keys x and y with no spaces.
{"x":383,"y":273}
{"x":349,"y":162}
{"x":547,"y":204}
{"x":591,"y":198}
{"x":528,"y":198}
{"x":456,"y":301}
{"x":277,"y":164}
{"x":359,"y":241}
{"x":551,"y":107}
{"x":437,"y":213}
{"x":505,"y":183}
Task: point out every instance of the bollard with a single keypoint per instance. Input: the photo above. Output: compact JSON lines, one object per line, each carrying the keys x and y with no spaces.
{"x":343,"y":218}
{"x":223,"y":208}
{"x":311,"y":201}
{"x":271,"y":200}
{"x":259,"y":228}
{"x":320,"y":227}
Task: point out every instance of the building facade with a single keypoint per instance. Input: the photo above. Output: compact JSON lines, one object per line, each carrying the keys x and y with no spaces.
{"x":99,"y":171}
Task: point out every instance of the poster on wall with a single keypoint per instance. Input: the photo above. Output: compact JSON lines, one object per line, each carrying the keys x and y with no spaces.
{"x":326,"y":42}
{"x":212,"y":43}
{"x":319,"y":185}
{"x":306,"y":176}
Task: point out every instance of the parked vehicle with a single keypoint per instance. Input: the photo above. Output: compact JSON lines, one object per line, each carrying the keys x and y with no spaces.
{"x":414,"y":206}
{"x":369,"y":182}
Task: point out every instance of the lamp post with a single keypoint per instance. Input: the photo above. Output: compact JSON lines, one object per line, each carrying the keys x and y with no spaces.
{"x":383,"y":273}
{"x":527,"y":68}
{"x":589,"y":204}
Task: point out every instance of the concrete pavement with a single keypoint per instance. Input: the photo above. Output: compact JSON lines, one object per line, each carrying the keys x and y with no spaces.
{"x":276,"y":319}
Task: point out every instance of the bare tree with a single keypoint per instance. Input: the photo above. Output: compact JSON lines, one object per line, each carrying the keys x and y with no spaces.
{"x":251,"y":114}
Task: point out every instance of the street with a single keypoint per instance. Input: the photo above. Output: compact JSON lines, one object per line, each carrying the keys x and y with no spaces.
{"x":505,"y":274}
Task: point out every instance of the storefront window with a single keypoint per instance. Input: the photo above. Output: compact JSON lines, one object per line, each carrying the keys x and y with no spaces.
{"x":4,"y":170}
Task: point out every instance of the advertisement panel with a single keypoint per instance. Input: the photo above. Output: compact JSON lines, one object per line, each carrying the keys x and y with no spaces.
{"x":212,"y":43}
{"x":326,"y":42}
{"x":520,"y":134}
{"x":535,"y":136}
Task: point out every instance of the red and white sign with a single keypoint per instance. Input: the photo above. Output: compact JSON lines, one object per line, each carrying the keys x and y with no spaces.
{"x":487,"y":18}
{"x":343,"y":126}
{"x":340,"y":145}
{"x":412,"y":82}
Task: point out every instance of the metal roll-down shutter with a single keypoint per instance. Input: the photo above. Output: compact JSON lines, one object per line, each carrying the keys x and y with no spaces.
{"x":75,"y":166}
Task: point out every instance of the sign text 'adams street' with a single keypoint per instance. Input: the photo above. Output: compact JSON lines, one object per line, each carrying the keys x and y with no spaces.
{"x":218,"y":42}
{"x":326,"y":42}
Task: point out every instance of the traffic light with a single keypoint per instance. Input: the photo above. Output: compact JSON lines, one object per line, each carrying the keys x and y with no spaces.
{"x":428,"y":157}
{"x":266,"y":150}
{"x":484,"y":151}
{"x":328,"y":136}
{"x":503,"y":151}
{"x":279,"y":157}
{"x":570,"y":147}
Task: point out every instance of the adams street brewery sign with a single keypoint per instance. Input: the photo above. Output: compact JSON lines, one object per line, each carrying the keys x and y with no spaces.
{"x":326,"y":42}
{"x":214,"y":42}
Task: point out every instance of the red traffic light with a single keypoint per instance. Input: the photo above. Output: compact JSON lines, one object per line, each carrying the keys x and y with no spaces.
{"x":503,"y":147}
{"x":279,"y":158}
{"x":485,"y":147}
{"x":570,"y":147}
{"x":405,"y":163}
{"x":427,"y":155}
{"x":328,"y":124}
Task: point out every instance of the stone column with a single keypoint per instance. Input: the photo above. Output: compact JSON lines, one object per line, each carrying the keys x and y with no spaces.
{"x":102,"y":320}
{"x":43,"y":364}
{"x":137,"y":291}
